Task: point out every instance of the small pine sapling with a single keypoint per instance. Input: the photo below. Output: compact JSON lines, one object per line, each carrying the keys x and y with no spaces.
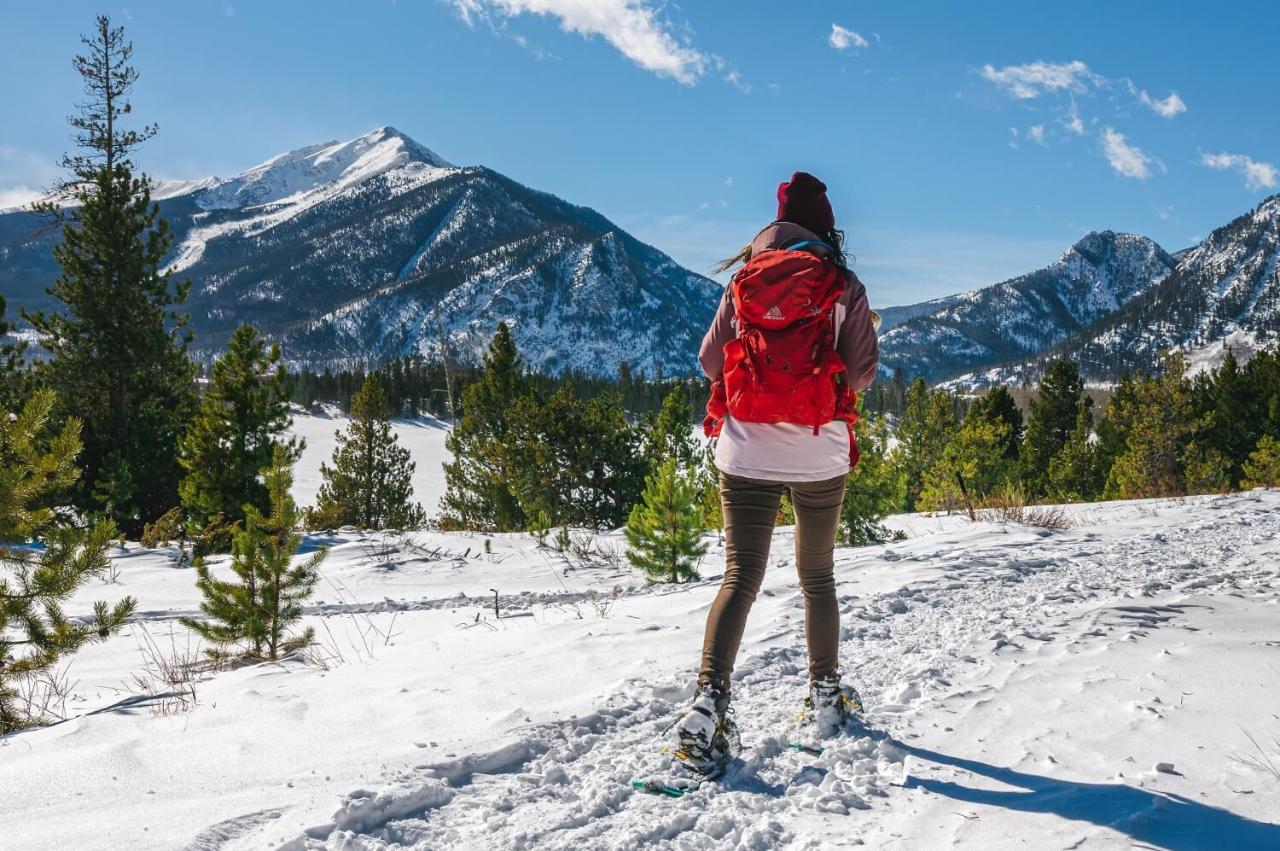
{"x":249,"y":616}
{"x":663,"y":531}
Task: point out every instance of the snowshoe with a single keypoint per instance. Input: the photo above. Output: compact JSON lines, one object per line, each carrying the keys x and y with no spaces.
{"x":705,"y":738}
{"x":831,"y":707}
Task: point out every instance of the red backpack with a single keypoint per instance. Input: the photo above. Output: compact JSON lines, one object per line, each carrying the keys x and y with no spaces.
{"x":783,"y":366}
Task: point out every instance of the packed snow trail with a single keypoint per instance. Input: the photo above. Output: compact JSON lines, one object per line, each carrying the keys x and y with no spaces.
{"x":987,"y":602}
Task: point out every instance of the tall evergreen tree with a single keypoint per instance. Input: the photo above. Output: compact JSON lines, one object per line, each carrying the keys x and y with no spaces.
{"x":1051,"y":419}
{"x":971,"y":455}
{"x":370,"y":484}
{"x":875,"y":487}
{"x":1074,"y":473}
{"x":478,"y":490}
{"x":663,"y":531}
{"x":252,"y":613}
{"x":35,"y":634}
{"x":118,"y":345}
{"x":1160,"y":423}
{"x":998,"y":405}
{"x":234,"y":436}
{"x":578,"y":463}
{"x":928,"y":422}
{"x":1113,"y":426}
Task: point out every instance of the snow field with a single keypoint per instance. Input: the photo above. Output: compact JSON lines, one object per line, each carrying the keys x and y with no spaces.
{"x":1022,"y":689}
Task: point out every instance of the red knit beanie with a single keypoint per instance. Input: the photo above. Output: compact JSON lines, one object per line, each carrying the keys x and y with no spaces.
{"x":803,"y":201}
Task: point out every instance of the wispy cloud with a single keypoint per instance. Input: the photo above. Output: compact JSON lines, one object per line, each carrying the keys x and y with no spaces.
{"x":1167,"y":108}
{"x":734,"y":79}
{"x":1257,"y":175}
{"x":1035,"y":133}
{"x":1126,"y":160}
{"x":633,"y":27}
{"x":1034,"y":79}
{"x":1071,"y":119}
{"x":843,"y":38}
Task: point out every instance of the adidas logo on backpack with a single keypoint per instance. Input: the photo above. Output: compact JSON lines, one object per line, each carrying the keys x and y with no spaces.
{"x":774,"y":313}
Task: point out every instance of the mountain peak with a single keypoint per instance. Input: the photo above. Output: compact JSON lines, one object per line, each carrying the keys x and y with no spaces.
{"x":328,"y":164}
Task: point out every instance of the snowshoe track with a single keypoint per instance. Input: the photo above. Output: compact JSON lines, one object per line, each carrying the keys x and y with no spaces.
{"x":1019,"y":591}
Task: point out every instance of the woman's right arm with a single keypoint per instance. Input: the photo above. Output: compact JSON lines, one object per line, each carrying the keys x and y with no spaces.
{"x":711,"y":355}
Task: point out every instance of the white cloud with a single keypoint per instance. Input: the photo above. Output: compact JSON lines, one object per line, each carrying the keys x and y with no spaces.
{"x":1033,"y":79}
{"x":1072,"y":121}
{"x":1257,"y":175}
{"x":734,"y":79}
{"x":1036,"y":134}
{"x":18,"y":196}
{"x":631,"y":26}
{"x":1126,"y":160}
{"x":1167,"y":108}
{"x":843,"y":38}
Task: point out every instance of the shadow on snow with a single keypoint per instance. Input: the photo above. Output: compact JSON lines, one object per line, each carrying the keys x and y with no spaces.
{"x":1159,"y":819}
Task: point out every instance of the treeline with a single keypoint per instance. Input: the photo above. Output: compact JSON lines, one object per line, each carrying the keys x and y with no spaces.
{"x":416,"y":386}
{"x":1165,"y":434}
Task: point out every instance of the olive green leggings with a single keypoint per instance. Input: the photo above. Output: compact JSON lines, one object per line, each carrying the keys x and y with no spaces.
{"x":750,"y":510}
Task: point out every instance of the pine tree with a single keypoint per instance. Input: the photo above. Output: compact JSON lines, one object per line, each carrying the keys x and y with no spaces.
{"x":15,"y":375}
{"x":663,"y":531}
{"x":875,"y":487}
{"x":1221,"y":401}
{"x":972,"y":456}
{"x":117,"y":345}
{"x":35,"y":633}
{"x":234,"y":437}
{"x":1262,"y":469}
{"x":251,"y":614}
{"x":671,"y":433}
{"x":926,"y":427}
{"x":707,"y":485}
{"x":1159,"y":423}
{"x":1074,"y":473}
{"x":370,"y":484}
{"x":477,"y":490}
{"x":998,"y":405}
{"x":577,"y":462}
{"x":1205,"y":469}
{"x":1113,"y":427}
{"x":1051,"y":419}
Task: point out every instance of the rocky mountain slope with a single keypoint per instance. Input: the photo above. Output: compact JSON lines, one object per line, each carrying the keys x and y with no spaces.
{"x":377,"y":248}
{"x":1025,"y":316}
{"x":1226,"y":290}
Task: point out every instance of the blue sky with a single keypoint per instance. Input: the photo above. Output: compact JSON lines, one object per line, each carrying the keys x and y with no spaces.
{"x":963,"y":143}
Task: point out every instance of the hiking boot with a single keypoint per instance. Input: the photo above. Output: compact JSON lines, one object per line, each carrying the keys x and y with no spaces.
{"x":705,"y":736}
{"x":831,"y":706}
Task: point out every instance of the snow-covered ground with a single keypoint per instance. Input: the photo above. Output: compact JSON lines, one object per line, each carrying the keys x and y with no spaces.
{"x":1087,"y":688}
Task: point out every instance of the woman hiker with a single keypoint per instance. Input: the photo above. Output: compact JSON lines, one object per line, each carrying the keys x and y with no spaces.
{"x":792,"y":341}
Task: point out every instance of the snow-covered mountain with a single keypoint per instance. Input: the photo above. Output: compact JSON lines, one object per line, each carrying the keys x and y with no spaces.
{"x":1025,"y":316}
{"x":376,"y":247}
{"x":1224,"y":290}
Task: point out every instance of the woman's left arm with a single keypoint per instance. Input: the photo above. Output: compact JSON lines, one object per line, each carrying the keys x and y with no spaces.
{"x":857,"y":343}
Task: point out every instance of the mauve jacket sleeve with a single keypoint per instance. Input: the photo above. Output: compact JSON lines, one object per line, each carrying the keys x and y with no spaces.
{"x":711,"y":355}
{"x":857,"y":341}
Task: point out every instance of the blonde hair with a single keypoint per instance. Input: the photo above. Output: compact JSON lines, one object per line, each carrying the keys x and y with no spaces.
{"x":741,"y":257}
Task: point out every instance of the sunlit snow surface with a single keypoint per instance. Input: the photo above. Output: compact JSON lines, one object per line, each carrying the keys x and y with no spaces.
{"x":1022,"y":687}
